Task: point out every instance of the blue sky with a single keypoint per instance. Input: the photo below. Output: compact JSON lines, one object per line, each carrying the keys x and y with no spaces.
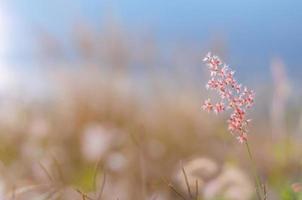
{"x":254,"y":30}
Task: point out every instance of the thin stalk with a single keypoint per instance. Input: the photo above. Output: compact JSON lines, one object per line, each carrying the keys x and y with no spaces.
{"x":176,"y":192}
{"x":256,"y":175}
{"x":187,"y":181}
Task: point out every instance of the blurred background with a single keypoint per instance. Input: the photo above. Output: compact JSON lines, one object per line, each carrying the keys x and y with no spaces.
{"x":101,"y":99}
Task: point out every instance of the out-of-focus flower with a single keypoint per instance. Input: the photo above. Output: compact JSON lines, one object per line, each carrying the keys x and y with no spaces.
{"x":231,"y":184}
{"x":232,"y":95}
{"x":297,"y":187}
{"x":116,"y":162}
{"x":199,"y":169}
{"x":96,"y":141}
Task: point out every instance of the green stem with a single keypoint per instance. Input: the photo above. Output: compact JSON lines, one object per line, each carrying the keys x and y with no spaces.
{"x":256,"y":175}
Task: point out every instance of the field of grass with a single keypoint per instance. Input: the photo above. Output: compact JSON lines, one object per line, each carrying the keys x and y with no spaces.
{"x":120,"y":123}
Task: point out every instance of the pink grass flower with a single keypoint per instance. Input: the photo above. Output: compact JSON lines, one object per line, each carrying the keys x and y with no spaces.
{"x":233,"y":96}
{"x":207,"y":106}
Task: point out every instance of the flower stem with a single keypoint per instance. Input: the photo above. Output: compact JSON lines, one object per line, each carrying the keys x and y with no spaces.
{"x":256,"y":174}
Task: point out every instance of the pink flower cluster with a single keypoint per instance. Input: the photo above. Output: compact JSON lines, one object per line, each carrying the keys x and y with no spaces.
{"x":232,"y":96}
